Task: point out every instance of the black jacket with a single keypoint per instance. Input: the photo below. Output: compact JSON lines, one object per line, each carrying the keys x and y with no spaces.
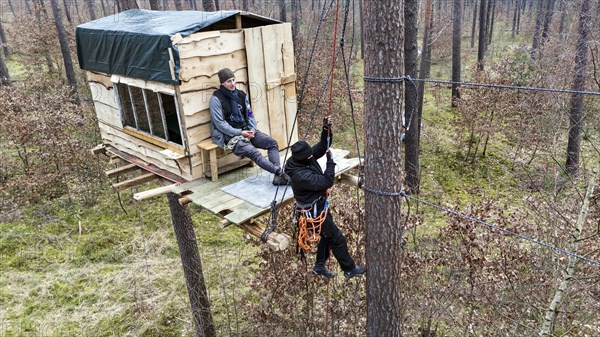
{"x":309,"y":182}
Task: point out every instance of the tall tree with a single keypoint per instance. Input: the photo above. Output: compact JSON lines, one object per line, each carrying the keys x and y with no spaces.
{"x":576,"y":115}
{"x":456,"y":54}
{"x":123,"y":5}
{"x":91,"y":9}
{"x":474,"y":24}
{"x":67,"y":10}
{"x":155,"y":5}
{"x":537,"y":32}
{"x":547,"y":20}
{"x":383,"y":126}
{"x":3,"y":41}
{"x":282,"y":11}
{"x":482,"y":40}
{"x":192,"y":267}
{"x":411,"y":163}
{"x":208,"y":5}
{"x":178,"y":5}
{"x":515,"y":26}
{"x":64,"y":48}
{"x":246,"y":5}
{"x":4,"y":76}
{"x":41,"y":17}
{"x":217,"y":5}
{"x":563,"y":17}
{"x":296,"y":18}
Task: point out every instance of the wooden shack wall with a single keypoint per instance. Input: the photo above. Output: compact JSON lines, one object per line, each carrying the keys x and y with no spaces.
{"x":111,"y":127}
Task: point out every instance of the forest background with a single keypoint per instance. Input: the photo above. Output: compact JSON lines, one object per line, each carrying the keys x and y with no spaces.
{"x":77,"y":258}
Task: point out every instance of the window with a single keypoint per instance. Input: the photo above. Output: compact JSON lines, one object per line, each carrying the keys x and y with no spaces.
{"x":154,"y":113}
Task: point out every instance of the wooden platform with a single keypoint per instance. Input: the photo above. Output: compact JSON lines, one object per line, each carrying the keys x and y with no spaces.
{"x":234,"y":210}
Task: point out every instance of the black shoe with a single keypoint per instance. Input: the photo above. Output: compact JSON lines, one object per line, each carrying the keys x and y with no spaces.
{"x":357,"y":271}
{"x":321,"y":270}
{"x":281,"y":178}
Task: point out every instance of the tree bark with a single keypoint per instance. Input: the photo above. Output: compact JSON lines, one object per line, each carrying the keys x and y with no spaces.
{"x":246,"y":5}
{"x":411,"y":163}
{"x":178,"y":6}
{"x":383,"y":151}
{"x":362,"y":29}
{"x":535,"y":45}
{"x":296,"y":19}
{"x":208,"y":5}
{"x":576,"y":116}
{"x":41,"y":15}
{"x":482,"y":39}
{"x":516,"y":12}
{"x":4,"y":75}
{"x":456,"y":55}
{"x":192,"y":267}
{"x":474,"y":24}
{"x":64,"y":48}
{"x":217,"y":5}
{"x":563,"y":17}
{"x":547,"y":21}
{"x":155,"y":5}
{"x":3,"y":41}
{"x":569,"y":273}
{"x":123,"y":5}
{"x":282,"y":11}
{"x":67,"y":10}
{"x":90,"y":6}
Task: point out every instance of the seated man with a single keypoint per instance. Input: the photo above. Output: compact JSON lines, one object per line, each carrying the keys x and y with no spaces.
{"x":234,"y":127}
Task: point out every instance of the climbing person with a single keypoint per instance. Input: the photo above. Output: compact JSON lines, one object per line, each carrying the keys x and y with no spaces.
{"x":233,"y":127}
{"x":310,"y":187}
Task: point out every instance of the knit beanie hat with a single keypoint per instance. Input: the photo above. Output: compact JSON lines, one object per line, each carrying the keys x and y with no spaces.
{"x":301,"y":150}
{"x":225,"y":74}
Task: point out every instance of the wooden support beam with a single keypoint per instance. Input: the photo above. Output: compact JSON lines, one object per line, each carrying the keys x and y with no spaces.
{"x":275,"y":241}
{"x":98,"y":149}
{"x":224,"y":223}
{"x":184,"y":201}
{"x":121,"y":170}
{"x":153,"y":192}
{"x":134,"y":181}
{"x":348,"y":179}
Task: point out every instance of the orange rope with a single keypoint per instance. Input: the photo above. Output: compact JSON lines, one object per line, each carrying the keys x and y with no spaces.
{"x":309,"y":229}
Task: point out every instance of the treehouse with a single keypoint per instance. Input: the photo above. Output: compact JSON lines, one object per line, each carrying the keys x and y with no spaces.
{"x":152,"y":74}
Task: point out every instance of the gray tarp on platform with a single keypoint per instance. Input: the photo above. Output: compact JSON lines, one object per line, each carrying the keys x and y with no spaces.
{"x":136,"y":43}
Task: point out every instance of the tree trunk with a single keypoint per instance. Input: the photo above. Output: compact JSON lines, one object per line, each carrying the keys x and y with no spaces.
{"x":535,"y":45}
{"x":178,"y":6}
{"x":90,"y":6}
{"x":4,"y":75}
{"x":192,"y":267}
{"x":456,"y":43}
{"x":3,"y":41}
{"x":516,"y":12}
{"x":246,"y":5}
{"x":64,"y":48}
{"x":28,"y":6}
{"x":282,"y":11}
{"x":563,"y":17}
{"x":67,"y":10}
{"x":217,"y":5}
{"x":208,"y":5}
{"x":411,"y":163}
{"x":569,"y":273}
{"x":474,"y":24}
{"x":155,"y":5}
{"x":104,"y":11}
{"x":41,"y":15}
{"x":576,"y":117}
{"x":362,"y":29}
{"x":490,"y":22}
{"x":482,"y":39}
{"x":296,"y":18}
{"x":123,"y":5}
{"x":547,"y":21}
{"x":383,"y":151}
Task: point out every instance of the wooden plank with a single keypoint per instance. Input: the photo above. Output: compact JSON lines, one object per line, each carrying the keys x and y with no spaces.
{"x":98,"y":149}
{"x":208,"y":66}
{"x":121,"y":170}
{"x":98,"y":78}
{"x":199,"y":133}
{"x":147,"y":166}
{"x":207,"y":145}
{"x":153,"y":192}
{"x":108,"y":115}
{"x":256,"y":76}
{"x":194,"y":101}
{"x":226,"y":43}
{"x":272,"y":44}
{"x":144,"y":178}
{"x":100,"y":93}
{"x":289,"y":72}
{"x":196,"y":37}
{"x":200,"y":117}
{"x":150,"y":85}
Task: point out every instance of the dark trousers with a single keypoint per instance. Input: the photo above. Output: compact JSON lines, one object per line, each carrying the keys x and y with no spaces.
{"x":260,"y":141}
{"x":332,"y":238}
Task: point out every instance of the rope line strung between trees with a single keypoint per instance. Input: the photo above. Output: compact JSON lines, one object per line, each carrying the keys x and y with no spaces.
{"x":478,"y":221}
{"x":474,"y":84}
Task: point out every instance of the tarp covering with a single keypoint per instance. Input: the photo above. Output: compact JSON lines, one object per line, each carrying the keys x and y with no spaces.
{"x":136,"y":43}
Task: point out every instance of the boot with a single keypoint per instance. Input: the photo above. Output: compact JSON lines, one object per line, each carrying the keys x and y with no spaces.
{"x":281,"y":178}
{"x":321,"y":270}
{"x":357,"y":271}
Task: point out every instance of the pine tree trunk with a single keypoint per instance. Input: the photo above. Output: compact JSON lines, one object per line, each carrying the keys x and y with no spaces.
{"x":155,"y":5}
{"x":456,"y":54}
{"x":4,"y":76}
{"x":64,"y":48}
{"x":123,"y":5}
{"x":569,"y":273}
{"x":41,"y":15}
{"x":383,"y":151}
{"x":217,"y":5}
{"x":246,"y":5}
{"x":28,"y":6}
{"x":474,"y":24}
{"x":576,"y":116}
{"x":547,"y":21}
{"x":282,"y":11}
{"x":3,"y":41}
{"x":91,"y":9}
{"x":411,"y":163}
{"x":563,"y":17}
{"x":535,"y":45}
{"x":192,"y":267}
{"x":516,"y":12}
{"x":67,"y":10}
{"x":482,"y":39}
{"x":208,"y":5}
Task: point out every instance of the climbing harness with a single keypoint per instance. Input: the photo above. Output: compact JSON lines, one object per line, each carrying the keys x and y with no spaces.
{"x":310,"y":221}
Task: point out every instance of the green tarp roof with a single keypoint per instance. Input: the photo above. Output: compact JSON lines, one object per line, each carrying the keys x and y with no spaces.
{"x":135,"y":43}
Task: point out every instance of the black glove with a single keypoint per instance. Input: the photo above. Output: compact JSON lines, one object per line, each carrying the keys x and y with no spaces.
{"x":329,"y":156}
{"x":327,"y":124}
